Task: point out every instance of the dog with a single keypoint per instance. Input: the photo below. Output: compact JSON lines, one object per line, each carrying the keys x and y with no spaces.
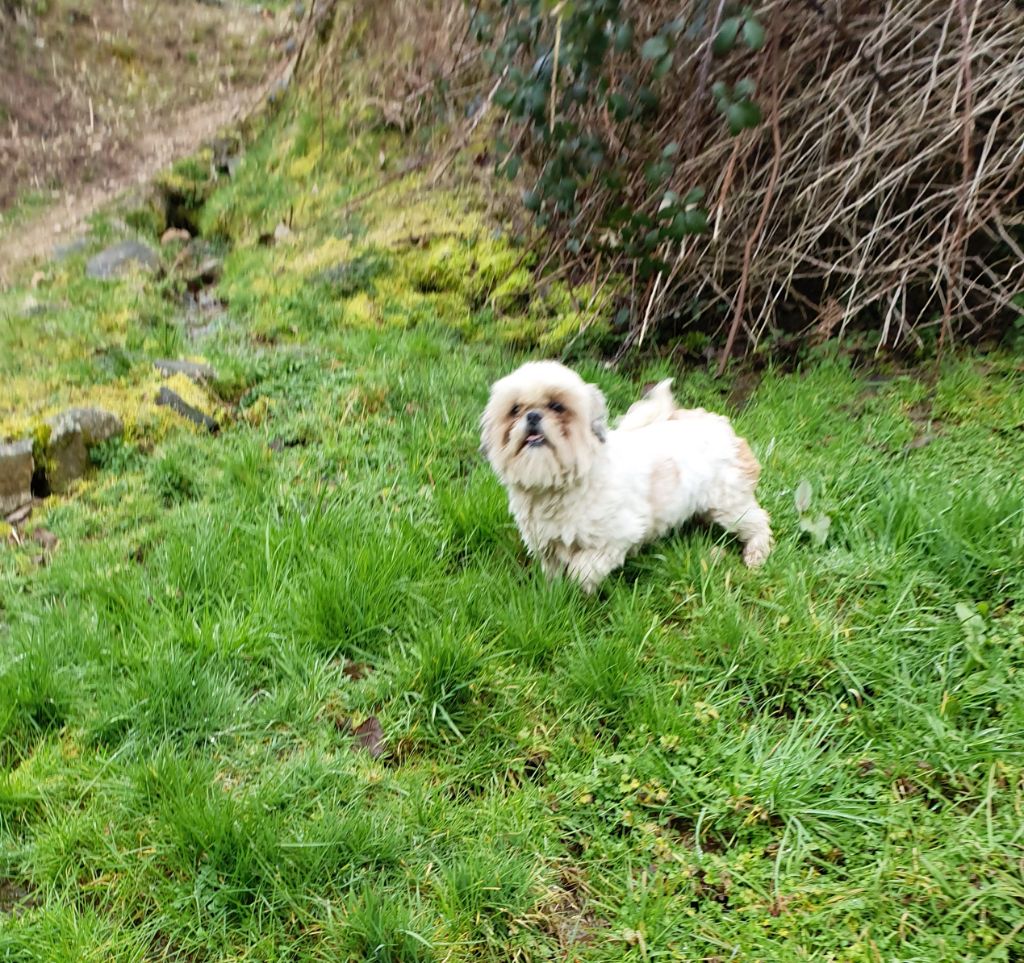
{"x":585,"y":497}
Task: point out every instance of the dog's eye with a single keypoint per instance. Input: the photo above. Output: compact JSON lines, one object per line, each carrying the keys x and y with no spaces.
{"x":556,"y":406}
{"x":515,"y":410}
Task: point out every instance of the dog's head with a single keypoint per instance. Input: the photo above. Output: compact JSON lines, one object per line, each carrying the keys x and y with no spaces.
{"x":543,"y":426}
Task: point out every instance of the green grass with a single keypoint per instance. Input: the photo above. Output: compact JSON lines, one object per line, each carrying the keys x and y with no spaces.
{"x":820,"y":760}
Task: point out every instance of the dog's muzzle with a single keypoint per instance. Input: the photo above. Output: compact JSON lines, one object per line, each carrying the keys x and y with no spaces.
{"x":534,"y":433}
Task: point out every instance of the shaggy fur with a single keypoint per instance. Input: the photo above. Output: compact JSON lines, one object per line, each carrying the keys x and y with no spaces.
{"x":585,"y":497}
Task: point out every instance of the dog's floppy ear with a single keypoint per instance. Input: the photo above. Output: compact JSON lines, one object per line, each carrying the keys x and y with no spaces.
{"x":598,"y":413}
{"x":485,"y":425}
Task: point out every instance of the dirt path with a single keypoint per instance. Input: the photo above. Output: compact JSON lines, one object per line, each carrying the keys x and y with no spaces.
{"x":141,"y":137}
{"x":181,"y":135}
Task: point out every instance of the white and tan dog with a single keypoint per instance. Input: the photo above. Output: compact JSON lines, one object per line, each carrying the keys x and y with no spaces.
{"x":585,"y":497}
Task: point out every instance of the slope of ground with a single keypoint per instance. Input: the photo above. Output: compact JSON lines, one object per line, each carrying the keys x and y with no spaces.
{"x":95,"y":98}
{"x":294,"y":692}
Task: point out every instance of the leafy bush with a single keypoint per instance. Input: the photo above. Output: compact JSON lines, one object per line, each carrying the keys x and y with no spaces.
{"x":586,"y":97}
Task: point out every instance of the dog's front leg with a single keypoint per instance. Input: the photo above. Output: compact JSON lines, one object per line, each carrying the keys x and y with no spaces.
{"x":590,"y":567}
{"x":551,"y":566}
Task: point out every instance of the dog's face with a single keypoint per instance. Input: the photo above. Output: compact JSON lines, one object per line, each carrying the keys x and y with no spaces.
{"x":543,"y":426}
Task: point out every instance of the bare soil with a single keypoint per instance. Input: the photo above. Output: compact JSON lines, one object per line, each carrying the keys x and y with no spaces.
{"x":96,"y":96}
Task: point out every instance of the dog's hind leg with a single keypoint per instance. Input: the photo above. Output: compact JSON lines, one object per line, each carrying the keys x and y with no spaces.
{"x":751,"y":525}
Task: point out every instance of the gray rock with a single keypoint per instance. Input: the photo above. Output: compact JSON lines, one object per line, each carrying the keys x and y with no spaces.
{"x":174,"y":401}
{"x":199,"y":373}
{"x":67,"y":457}
{"x":119,"y":259}
{"x":63,"y":251}
{"x":16,"y":467}
{"x":72,"y":434}
{"x":95,"y":424}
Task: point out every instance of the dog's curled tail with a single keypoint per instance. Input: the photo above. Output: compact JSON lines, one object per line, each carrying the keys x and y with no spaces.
{"x":657,"y":405}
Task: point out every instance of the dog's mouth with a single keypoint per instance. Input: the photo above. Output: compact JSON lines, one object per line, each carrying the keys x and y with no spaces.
{"x":533,"y":440}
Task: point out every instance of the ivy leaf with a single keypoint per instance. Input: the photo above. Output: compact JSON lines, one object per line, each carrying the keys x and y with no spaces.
{"x":624,"y":37}
{"x":742,"y":114}
{"x":663,"y":66}
{"x":696,"y":220}
{"x":745,"y":88}
{"x":690,"y":222}
{"x":658,"y":171}
{"x":531,"y":201}
{"x":620,"y":105}
{"x":670,"y":150}
{"x":655,"y":48}
{"x":668,"y":201}
{"x":753,"y":34}
{"x":803,"y":496}
{"x":647,"y":98}
{"x":511,"y":166}
{"x":725,"y":39}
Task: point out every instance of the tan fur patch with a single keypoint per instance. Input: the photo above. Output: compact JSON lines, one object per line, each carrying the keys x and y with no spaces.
{"x":664,"y":481}
{"x":749,"y":465}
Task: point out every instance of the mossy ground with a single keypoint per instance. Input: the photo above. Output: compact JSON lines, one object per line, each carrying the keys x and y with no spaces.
{"x":819,"y":760}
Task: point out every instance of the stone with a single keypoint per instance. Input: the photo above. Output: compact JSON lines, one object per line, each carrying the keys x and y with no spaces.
{"x":72,"y":433}
{"x":16,"y":468}
{"x":119,"y":259}
{"x":63,"y":251}
{"x":199,"y":373}
{"x":95,"y":424}
{"x":66,"y":456}
{"x":174,"y":401}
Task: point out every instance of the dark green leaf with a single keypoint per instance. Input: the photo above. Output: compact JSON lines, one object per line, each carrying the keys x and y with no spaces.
{"x":663,"y":66}
{"x":654,"y":48}
{"x":624,"y":37}
{"x":621,"y":107}
{"x":647,"y":98}
{"x":742,"y":114}
{"x":696,"y":221}
{"x":753,"y":34}
{"x":726,"y":36}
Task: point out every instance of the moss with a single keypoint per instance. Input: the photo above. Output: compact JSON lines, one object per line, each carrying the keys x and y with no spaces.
{"x":514,"y":292}
{"x":41,"y":447}
{"x":362,"y":311}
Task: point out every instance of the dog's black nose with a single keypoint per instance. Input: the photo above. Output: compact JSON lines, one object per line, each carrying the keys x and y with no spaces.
{"x":533,"y":418}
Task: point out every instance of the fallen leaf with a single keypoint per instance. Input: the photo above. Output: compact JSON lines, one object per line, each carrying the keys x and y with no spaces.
{"x":370,"y":736}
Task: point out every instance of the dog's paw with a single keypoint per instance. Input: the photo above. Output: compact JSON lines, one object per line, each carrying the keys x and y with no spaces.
{"x":754,"y":555}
